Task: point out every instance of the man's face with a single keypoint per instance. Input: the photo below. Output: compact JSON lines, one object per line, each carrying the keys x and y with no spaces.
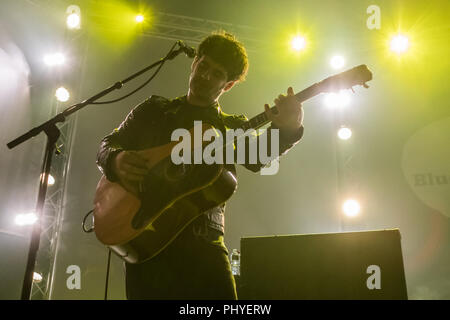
{"x":208,"y":80}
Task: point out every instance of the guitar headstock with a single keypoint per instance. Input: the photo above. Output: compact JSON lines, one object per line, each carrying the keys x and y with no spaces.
{"x":346,"y":80}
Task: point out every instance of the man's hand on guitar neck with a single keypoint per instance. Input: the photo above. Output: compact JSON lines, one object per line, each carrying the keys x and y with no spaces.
{"x":290,"y":112}
{"x":130,"y":169}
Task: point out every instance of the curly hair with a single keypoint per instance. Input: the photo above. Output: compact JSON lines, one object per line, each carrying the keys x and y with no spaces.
{"x":226,"y":50}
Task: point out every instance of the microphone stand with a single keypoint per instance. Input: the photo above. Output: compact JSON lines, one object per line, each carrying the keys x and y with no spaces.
{"x":53,"y":133}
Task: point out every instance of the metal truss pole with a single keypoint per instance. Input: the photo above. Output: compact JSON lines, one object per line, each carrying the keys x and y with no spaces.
{"x":192,"y":30}
{"x":55,"y":200}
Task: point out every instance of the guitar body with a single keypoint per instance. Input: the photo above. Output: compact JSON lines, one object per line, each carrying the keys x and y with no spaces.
{"x":139,"y":225}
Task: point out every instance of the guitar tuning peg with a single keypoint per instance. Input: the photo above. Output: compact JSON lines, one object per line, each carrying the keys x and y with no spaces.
{"x":365,"y":85}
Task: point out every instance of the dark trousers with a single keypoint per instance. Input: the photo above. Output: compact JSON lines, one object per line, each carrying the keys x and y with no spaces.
{"x":193,"y":266}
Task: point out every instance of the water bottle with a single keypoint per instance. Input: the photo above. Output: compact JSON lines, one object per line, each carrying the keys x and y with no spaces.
{"x":236,"y":262}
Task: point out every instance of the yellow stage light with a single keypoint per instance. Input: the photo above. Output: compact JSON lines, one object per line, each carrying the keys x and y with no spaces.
{"x":399,"y":43}
{"x":298,"y":43}
{"x":139,"y":18}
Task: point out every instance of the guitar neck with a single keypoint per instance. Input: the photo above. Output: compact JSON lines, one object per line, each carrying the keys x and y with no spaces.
{"x":261,"y":119}
{"x":345,"y":80}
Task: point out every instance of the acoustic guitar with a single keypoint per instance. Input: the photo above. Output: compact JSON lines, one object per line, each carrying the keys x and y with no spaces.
{"x":138,"y":222}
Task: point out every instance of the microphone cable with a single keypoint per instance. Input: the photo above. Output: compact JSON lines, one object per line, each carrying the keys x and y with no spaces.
{"x":91,"y":229}
{"x":163,"y":60}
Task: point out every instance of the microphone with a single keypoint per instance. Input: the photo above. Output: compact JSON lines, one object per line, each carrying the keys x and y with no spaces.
{"x":189,"y":51}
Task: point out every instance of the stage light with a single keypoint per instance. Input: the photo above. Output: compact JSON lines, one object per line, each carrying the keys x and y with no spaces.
{"x":62,"y":94}
{"x":50,"y":180}
{"x":26,"y":219}
{"x":337,"y":62}
{"x":37,"y":277}
{"x":139,"y":18}
{"x":399,"y":44}
{"x":344,"y":133}
{"x":73,"y":17}
{"x":55,"y":59}
{"x":298,"y":43}
{"x":351,"y":208}
{"x":334,"y":100}
{"x":73,"y":21}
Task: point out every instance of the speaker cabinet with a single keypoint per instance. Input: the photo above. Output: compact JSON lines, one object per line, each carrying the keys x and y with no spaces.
{"x":350,"y":265}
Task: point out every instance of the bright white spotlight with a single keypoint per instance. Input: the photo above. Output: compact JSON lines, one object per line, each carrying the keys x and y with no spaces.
{"x":62,"y":94}
{"x":337,"y":62}
{"x":73,"y":17}
{"x":399,"y":44}
{"x":298,"y":43}
{"x":351,"y":208}
{"x":334,"y":100}
{"x":26,"y":219}
{"x":50,"y":180}
{"x":37,"y":277}
{"x":73,"y":21}
{"x":344,"y":133}
{"x":55,"y":59}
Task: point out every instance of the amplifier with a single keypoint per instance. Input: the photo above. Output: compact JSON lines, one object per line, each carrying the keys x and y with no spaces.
{"x":349,"y":265}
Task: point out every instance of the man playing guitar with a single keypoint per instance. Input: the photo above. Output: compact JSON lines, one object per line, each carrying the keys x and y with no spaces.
{"x":195,"y":264}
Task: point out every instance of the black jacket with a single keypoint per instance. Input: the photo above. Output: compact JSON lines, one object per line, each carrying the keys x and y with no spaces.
{"x":152,"y":122}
